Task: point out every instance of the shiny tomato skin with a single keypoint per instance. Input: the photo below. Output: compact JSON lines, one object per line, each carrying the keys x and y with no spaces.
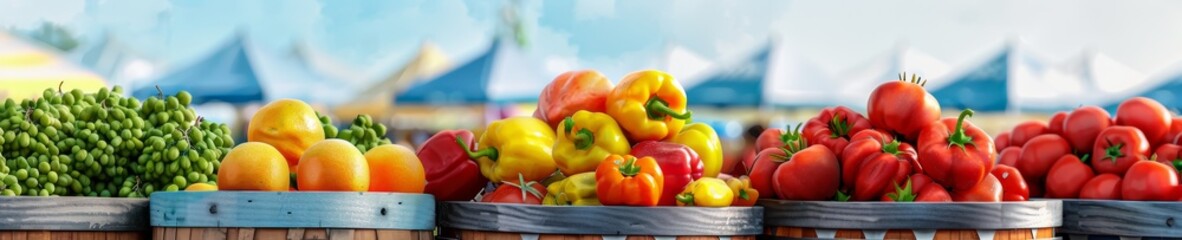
{"x":862,"y":145}
{"x":511,"y":194}
{"x":1027,"y":130}
{"x":765,"y":165}
{"x":1175,"y":130}
{"x":933,"y":193}
{"x":1001,"y":141}
{"x":1013,"y":186}
{"x":818,"y":130}
{"x":1169,"y":154}
{"x":954,"y":166}
{"x":1148,"y":115}
{"x":1067,"y":177}
{"x":1150,"y":181}
{"x":1105,"y":186}
{"x":903,"y":108}
{"x":1083,"y":125}
{"x":811,"y":174}
{"x":769,"y":138}
{"x":1009,"y":156}
{"x":988,"y":190}
{"x":1055,"y":125}
{"x":1039,"y":154}
{"x":1117,"y":148}
{"x":882,"y":171}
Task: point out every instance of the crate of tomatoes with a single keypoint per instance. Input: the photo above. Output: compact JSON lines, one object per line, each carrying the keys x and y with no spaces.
{"x":899,"y":172}
{"x":1117,"y":175}
{"x":595,"y":161}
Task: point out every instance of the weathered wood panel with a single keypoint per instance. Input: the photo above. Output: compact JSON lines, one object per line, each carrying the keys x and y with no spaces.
{"x":293,"y":210}
{"x":287,"y":233}
{"x":74,"y":214}
{"x":888,"y":215}
{"x":940,"y":234}
{"x":659,"y":221}
{"x":1122,"y":218}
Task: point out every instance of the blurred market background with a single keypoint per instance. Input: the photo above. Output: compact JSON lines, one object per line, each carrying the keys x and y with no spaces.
{"x":420,"y":66}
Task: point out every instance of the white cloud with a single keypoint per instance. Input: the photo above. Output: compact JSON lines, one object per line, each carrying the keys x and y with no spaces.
{"x":594,"y":9}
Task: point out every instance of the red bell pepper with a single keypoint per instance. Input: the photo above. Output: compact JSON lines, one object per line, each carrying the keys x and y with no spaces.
{"x":955,"y":153}
{"x":451,"y":174}
{"x":570,"y":92}
{"x":679,"y":164}
{"x":834,"y":127}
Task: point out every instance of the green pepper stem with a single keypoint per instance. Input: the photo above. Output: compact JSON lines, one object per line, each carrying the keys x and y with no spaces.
{"x":658,"y":109}
{"x":686,"y":198}
{"x":584,"y":139}
{"x":743,"y":194}
{"x":490,"y":152}
{"x":958,"y":137}
{"x":629,"y":167}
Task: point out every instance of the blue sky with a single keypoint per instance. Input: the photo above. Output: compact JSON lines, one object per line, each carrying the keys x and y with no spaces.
{"x":620,"y":36}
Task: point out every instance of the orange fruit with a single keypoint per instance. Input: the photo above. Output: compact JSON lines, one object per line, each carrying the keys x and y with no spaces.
{"x":395,"y":168}
{"x":333,"y":165}
{"x":254,"y":166}
{"x":201,"y":187}
{"x":290,"y":125}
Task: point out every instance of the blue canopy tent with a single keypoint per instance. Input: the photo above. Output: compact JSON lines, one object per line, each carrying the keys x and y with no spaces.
{"x":984,"y":87}
{"x":739,"y":84}
{"x":501,"y":74}
{"x":1168,"y":91}
{"x":226,"y":75}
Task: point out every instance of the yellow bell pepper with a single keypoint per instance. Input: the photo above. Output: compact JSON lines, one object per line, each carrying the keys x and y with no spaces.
{"x":745,"y":196}
{"x":704,"y":141}
{"x":517,"y":145}
{"x":585,"y":139}
{"x":577,"y":190}
{"x":706,"y":192}
{"x":649,"y":105}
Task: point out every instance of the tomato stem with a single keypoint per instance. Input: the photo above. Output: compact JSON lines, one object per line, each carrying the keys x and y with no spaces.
{"x":790,"y":135}
{"x":584,"y":139}
{"x":1113,"y":150}
{"x":1177,"y":164}
{"x":838,"y":127}
{"x":490,"y":152}
{"x":904,"y":194}
{"x":525,"y":187}
{"x":1085,"y":158}
{"x":629,"y":167}
{"x":891,"y":147}
{"x":658,"y":109}
{"x":842,"y":197}
{"x":958,"y":137}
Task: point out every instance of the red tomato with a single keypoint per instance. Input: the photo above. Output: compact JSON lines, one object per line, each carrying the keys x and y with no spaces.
{"x":1169,"y":154}
{"x":902,"y":107}
{"x":1001,"y":141}
{"x":834,"y":126}
{"x":917,"y":181}
{"x":922,"y":188}
{"x":774,"y":138}
{"x":1145,"y":114}
{"x":811,"y":174}
{"x":955,"y":153}
{"x":1027,"y":130}
{"x":512,"y":192}
{"x":933,"y":193}
{"x":882,"y":170}
{"x":1117,"y":148}
{"x":1175,"y":130}
{"x":766,"y":163}
{"x":1009,"y":156}
{"x":1055,"y":125}
{"x":1067,"y":177}
{"x":1103,"y":186}
{"x":1012,"y":184}
{"x":1150,"y":181}
{"x":1040,"y":154}
{"x":988,"y":190}
{"x":1083,"y":125}
{"x":862,"y":145}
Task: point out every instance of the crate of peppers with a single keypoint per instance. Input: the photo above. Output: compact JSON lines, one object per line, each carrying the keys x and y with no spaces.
{"x":1117,"y":175}
{"x":595,"y":160}
{"x":899,"y":172}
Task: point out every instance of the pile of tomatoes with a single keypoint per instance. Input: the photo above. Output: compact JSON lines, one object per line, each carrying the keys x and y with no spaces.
{"x":1088,"y":154}
{"x":902,"y":150}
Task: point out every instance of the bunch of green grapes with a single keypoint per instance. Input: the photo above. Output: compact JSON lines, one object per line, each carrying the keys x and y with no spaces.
{"x":330,"y":131}
{"x":180,"y":147}
{"x":364,"y":133}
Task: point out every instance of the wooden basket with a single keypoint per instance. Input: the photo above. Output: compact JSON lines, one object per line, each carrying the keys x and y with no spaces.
{"x":888,"y":220}
{"x":1108,"y":219}
{"x":292,"y":215}
{"x":472,"y":220}
{"x":73,"y":218}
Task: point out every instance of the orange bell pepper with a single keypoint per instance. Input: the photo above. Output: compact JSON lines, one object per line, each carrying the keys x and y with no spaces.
{"x":630,"y":181}
{"x":649,"y":105}
{"x":570,"y":92}
{"x":745,"y":196}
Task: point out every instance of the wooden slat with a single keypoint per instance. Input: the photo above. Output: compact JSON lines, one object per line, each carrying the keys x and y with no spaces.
{"x":158,"y":233}
{"x":270,"y":233}
{"x":341,"y":234}
{"x":602,"y":220}
{"x":216,"y":234}
{"x":74,"y":214}
{"x":183,"y":233}
{"x":293,"y":210}
{"x":231,"y":233}
{"x":295,"y":234}
{"x":365,"y":234}
{"x":386,"y":234}
{"x":246,"y":234}
{"x":1122,"y":218}
{"x":889,"y":215}
{"x":198,"y":234}
{"x":315,"y":233}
